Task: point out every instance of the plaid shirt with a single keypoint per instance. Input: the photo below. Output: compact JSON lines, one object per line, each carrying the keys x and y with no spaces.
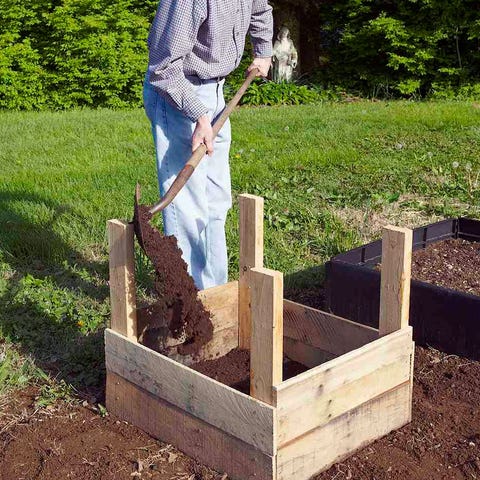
{"x":203,"y":38}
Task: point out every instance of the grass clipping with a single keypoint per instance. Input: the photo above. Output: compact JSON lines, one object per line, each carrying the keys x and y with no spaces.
{"x":178,"y":320}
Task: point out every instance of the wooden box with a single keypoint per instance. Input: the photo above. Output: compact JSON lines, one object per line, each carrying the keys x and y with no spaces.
{"x":358,"y":387}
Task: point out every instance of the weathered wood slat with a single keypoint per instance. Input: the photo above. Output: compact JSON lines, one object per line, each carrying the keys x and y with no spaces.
{"x":266,"y":343}
{"x":395,"y":282}
{"x":122,"y":278}
{"x":318,"y":396}
{"x":198,"y":439}
{"x":324,"y":330}
{"x":305,"y":354}
{"x":324,"y":446}
{"x":251,"y":256}
{"x":235,"y":413}
{"x":217,"y":300}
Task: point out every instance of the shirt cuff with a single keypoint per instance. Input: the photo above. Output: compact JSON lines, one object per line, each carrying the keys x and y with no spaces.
{"x":193,"y":108}
{"x":262,"y":49}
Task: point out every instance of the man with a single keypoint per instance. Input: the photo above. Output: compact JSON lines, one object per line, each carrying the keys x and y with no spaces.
{"x":193,"y":45}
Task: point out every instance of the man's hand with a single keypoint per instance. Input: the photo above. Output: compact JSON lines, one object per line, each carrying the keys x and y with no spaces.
{"x":263,"y":65}
{"x":203,"y":134}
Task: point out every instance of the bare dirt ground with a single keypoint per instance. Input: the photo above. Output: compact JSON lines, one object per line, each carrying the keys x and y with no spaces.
{"x":75,"y":441}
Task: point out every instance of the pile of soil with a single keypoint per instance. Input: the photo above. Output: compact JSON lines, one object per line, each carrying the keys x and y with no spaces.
{"x":233,"y":369}
{"x":450,"y":263}
{"x":72,"y":441}
{"x":178,"y":308}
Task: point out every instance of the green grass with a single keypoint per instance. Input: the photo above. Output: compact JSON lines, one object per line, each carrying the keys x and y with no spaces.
{"x":330,"y":175}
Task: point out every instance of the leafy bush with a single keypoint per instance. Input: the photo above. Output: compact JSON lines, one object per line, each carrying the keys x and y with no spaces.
{"x":73,"y":52}
{"x":406,"y":48}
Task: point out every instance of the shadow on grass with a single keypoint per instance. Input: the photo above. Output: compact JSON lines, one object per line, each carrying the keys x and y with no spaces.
{"x":53,"y":303}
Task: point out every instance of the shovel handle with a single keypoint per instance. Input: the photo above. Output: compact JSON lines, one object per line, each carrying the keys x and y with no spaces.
{"x":201,"y":151}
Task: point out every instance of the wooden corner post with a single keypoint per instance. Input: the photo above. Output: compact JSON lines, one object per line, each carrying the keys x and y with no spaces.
{"x":122,"y":279}
{"x":266,"y":344}
{"x":396,"y":275}
{"x":251,"y":256}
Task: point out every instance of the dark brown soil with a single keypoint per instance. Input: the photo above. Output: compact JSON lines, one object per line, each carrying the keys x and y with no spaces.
{"x":443,"y":440}
{"x":233,"y":369}
{"x":72,"y":442}
{"x":178,"y":307}
{"x":451,"y":263}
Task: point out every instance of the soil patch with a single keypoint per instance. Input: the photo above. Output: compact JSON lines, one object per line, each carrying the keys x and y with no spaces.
{"x":441,"y":443}
{"x":233,"y":369}
{"x":178,"y":308}
{"x":450,"y":263}
{"x":74,"y":442}
{"x":443,"y":440}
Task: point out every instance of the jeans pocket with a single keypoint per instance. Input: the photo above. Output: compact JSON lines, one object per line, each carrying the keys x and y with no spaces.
{"x":150,"y":100}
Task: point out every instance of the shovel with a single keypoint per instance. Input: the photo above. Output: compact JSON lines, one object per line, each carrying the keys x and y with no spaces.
{"x":190,"y":166}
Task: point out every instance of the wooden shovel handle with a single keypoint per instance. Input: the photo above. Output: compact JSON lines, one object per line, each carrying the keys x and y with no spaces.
{"x":201,"y":151}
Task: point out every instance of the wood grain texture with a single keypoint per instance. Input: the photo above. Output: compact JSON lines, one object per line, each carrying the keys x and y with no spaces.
{"x":266,"y":342}
{"x":234,"y":412}
{"x":317,"y":397}
{"x":251,"y":256}
{"x":196,"y":438}
{"x":324,"y":330}
{"x":340,"y":438}
{"x":396,"y":277}
{"x":305,"y":354}
{"x":122,"y":278}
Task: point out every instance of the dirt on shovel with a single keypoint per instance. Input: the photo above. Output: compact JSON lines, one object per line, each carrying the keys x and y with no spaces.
{"x":178,"y":319}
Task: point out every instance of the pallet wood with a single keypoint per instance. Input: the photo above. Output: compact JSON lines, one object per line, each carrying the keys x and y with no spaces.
{"x":251,"y":256}
{"x":122,"y":278}
{"x":234,"y":412}
{"x":198,"y":439}
{"x":395,"y":280}
{"x":324,"y":446}
{"x":358,"y":389}
{"x":323,"y":330}
{"x":305,"y":354}
{"x":266,"y":342}
{"x":328,"y":391}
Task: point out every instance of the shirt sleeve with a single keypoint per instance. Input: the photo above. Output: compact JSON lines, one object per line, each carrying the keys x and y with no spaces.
{"x":172,"y":37}
{"x":261,"y":28}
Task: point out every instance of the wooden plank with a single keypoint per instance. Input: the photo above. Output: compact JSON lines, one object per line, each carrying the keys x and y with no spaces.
{"x":396,"y":275}
{"x":266,"y":343}
{"x":234,"y":412}
{"x":122,"y":279}
{"x":219,"y":298}
{"x":305,"y":354}
{"x":324,"y":446}
{"x":222,"y":303}
{"x":251,"y":256}
{"x":223,"y":341}
{"x":316,"y":397}
{"x":201,"y":441}
{"x":324,"y":330}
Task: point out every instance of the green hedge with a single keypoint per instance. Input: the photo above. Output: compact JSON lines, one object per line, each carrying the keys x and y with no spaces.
{"x":60,"y":54}
{"x":65,"y":53}
{"x":410,"y":48}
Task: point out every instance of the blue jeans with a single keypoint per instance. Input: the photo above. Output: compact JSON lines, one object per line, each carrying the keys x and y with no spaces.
{"x":197,"y":215}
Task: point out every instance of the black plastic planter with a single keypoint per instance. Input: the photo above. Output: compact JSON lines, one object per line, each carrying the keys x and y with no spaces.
{"x":442,"y":318}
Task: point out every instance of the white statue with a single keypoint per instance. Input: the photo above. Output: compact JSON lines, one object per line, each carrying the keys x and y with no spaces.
{"x":285,"y":57}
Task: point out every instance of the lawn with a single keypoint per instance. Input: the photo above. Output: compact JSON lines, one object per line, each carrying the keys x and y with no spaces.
{"x":331,"y":174}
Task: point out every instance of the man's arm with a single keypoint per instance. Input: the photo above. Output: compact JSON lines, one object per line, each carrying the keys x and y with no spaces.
{"x":173,"y":35}
{"x":261,"y":33}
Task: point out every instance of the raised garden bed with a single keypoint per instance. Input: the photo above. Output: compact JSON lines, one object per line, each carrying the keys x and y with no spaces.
{"x":358,"y":386}
{"x":446,"y":319}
